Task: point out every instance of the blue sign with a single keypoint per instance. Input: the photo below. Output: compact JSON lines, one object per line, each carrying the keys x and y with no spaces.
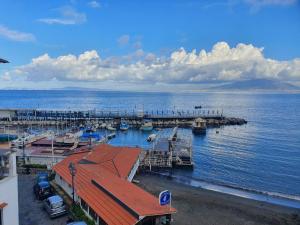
{"x":165,"y":197}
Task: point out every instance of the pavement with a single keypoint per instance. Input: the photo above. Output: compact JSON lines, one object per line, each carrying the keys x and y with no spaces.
{"x":31,"y":210}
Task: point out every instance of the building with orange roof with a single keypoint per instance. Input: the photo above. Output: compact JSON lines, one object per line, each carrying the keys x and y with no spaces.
{"x":104,"y":190}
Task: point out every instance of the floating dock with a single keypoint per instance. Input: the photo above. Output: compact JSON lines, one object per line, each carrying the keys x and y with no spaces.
{"x":168,"y":152}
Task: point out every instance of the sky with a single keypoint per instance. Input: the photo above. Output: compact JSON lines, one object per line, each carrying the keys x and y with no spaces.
{"x":157,"y":44}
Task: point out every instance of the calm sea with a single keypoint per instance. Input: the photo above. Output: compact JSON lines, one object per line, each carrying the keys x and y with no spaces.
{"x":263,"y":155}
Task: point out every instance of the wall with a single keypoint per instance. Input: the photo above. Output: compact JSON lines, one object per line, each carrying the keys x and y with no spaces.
{"x":9,"y":195}
{"x":65,"y":186}
{"x":43,"y":160}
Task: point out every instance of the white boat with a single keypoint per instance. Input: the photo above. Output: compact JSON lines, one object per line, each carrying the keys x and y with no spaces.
{"x":110,"y":127}
{"x":103,"y":125}
{"x":147,"y":126}
{"x":112,"y":135}
{"x":151,"y":137}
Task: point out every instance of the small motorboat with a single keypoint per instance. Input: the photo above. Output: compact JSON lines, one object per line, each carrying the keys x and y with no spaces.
{"x":124,"y":126}
{"x":111,"y":136}
{"x":151,"y":137}
{"x":103,"y":126}
{"x":147,"y":125}
{"x":110,"y":128}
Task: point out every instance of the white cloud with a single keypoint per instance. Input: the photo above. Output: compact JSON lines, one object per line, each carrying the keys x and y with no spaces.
{"x":68,"y":16}
{"x":222,"y":63}
{"x":123,"y":40}
{"x":94,"y":4}
{"x":15,"y":35}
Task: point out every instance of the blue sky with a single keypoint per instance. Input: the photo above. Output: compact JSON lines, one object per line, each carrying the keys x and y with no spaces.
{"x":133,"y":31}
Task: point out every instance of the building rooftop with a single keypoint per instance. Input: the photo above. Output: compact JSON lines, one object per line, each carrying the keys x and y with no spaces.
{"x":101,"y":181}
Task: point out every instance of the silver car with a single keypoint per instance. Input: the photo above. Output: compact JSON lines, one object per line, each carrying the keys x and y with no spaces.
{"x":55,"y":206}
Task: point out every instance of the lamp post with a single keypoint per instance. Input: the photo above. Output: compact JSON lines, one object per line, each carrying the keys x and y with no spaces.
{"x":73,"y":171}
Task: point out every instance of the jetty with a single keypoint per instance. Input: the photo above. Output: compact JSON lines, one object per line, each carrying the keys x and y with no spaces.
{"x":169,"y":151}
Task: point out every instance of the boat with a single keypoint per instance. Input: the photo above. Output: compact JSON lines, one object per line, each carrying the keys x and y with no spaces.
{"x":111,"y":135}
{"x":151,"y":137}
{"x":110,"y":127}
{"x":103,"y":126}
{"x":147,"y":125}
{"x":124,"y":126}
{"x":7,"y":137}
{"x":198,"y":107}
{"x":199,"y":126}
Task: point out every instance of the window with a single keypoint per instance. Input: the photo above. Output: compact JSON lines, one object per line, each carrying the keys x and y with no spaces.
{"x":93,"y":214}
{"x":84,"y":205}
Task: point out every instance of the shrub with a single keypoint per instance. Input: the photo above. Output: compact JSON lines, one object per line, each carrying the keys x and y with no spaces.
{"x":79,"y":215}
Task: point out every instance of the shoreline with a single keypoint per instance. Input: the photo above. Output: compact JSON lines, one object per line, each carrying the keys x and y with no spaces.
{"x":269,"y":197}
{"x":209,"y":207}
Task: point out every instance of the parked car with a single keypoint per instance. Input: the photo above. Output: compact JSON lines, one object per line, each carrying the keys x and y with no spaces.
{"x":42,"y":190}
{"x":55,"y":206}
{"x":77,"y":223}
{"x":42,"y":177}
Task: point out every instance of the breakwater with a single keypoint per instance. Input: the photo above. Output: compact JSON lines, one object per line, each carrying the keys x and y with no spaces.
{"x":160,"y":118}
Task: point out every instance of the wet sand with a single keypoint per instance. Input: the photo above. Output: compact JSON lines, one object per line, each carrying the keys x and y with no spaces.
{"x":197,"y":206}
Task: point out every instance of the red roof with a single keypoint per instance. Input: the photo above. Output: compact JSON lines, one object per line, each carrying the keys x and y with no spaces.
{"x":101,"y":181}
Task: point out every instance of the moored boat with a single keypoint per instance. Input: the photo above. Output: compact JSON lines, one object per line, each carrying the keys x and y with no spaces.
{"x":124,"y":126}
{"x":147,"y":125}
{"x":151,"y":137}
{"x":110,"y":127}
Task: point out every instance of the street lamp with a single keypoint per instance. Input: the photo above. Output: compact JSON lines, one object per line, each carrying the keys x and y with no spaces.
{"x":73,"y":171}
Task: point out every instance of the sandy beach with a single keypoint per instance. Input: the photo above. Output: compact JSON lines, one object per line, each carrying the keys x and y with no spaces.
{"x":198,"y":206}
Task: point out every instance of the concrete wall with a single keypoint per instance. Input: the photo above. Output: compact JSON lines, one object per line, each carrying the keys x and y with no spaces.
{"x":9,"y":195}
{"x":43,"y":160}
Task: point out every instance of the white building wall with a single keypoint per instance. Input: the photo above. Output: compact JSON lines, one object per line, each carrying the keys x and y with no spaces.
{"x":9,"y":195}
{"x":65,"y":186}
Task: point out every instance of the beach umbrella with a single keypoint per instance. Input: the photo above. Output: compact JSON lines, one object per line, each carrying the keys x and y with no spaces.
{"x":3,"y":61}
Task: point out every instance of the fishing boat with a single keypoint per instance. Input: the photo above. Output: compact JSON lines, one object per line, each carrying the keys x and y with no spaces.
{"x":199,"y":126}
{"x":147,"y":125}
{"x":124,"y":126}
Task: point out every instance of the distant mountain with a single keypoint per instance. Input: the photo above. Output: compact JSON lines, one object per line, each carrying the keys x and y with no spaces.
{"x":75,"y":89}
{"x":257,"y":84}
